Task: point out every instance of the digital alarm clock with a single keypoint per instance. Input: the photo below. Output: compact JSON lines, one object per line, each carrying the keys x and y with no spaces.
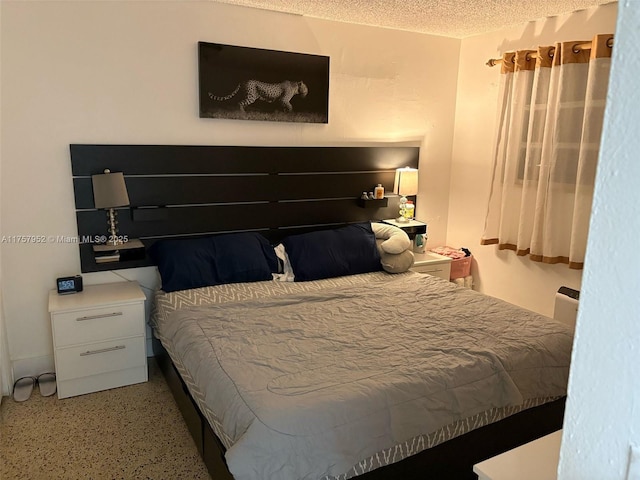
{"x":69,"y":284}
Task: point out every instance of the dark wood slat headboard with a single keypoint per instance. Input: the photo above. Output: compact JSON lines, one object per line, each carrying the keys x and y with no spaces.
{"x":186,"y":190}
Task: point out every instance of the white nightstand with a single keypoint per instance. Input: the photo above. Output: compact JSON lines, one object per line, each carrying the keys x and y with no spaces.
{"x":432,"y":264}
{"x":98,"y":338}
{"x":537,"y":460}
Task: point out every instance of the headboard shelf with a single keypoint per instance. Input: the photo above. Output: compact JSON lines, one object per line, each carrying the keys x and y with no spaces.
{"x":186,"y":190}
{"x":154,"y":190}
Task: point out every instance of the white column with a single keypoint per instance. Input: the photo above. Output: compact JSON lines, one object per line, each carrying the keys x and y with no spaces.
{"x":602,"y":420}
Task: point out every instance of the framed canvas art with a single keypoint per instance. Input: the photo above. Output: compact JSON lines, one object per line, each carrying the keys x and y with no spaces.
{"x":255,"y":84}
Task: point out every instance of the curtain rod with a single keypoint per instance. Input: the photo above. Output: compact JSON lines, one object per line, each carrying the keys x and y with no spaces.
{"x":492,"y":62}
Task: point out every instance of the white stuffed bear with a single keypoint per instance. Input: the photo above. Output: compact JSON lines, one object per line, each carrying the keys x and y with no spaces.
{"x":394,"y":246}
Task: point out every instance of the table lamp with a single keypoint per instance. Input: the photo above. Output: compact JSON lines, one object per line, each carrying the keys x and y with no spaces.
{"x":405,"y":184}
{"x":110,"y":191}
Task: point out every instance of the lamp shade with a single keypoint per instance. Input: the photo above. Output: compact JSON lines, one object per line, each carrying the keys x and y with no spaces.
{"x":406,"y":182}
{"x":109,"y":190}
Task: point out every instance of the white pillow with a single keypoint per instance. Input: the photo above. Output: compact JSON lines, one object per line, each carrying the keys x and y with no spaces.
{"x":287,"y":275}
{"x":395,"y":239}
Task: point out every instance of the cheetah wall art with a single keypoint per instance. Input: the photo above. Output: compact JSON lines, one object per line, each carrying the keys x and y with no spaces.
{"x":245,"y":83}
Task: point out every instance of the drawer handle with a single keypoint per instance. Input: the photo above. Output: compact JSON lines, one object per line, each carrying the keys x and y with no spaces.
{"x":102,"y":350}
{"x":94,"y":317}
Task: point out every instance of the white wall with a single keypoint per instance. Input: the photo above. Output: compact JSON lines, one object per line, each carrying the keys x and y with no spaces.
{"x":126,"y":72}
{"x":501,"y":273}
{"x":603,"y":410}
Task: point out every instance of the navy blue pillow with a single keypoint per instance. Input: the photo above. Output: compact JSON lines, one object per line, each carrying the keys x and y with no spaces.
{"x":201,"y":262}
{"x":333,"y":253}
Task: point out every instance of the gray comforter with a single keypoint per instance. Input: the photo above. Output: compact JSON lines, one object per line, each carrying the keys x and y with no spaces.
{"x":306,"y":385}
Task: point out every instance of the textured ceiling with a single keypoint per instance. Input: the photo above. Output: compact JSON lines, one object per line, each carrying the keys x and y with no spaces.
{"x":452,"y":18}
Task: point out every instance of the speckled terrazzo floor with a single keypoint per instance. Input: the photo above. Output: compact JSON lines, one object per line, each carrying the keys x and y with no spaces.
{"x":133,"y":432}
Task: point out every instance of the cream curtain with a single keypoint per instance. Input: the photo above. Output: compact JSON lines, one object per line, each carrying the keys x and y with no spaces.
{"x":551,"y":108}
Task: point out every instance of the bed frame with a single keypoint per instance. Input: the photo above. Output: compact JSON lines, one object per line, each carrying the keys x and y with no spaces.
{"x":182,"y":191}
{"x":451,"y":460}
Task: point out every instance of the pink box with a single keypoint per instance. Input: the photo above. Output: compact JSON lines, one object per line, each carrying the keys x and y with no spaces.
{"x":461,"y":267}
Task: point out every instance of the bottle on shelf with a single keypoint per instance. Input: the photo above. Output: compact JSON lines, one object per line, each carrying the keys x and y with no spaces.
{"x":378,"y":192}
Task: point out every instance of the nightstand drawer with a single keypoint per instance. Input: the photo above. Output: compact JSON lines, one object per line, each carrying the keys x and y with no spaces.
{"x":430,"y":263}
{"x":442,"y":270}
{"x":103,"y":357}
{"x":97,"y":324}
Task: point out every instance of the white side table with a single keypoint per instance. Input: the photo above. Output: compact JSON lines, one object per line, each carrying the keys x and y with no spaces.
{"x":537,"y":460}
{"x":98,"y":338}
{"x":431,"y":263}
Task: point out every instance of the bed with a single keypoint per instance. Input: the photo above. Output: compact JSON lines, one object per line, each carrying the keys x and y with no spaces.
{"x":348,"y":368}
{"x":356,"y":373}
